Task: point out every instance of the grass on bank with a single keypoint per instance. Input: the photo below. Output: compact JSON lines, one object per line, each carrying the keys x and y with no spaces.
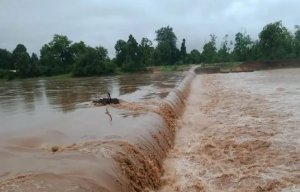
{"x":230,"y":65}
{"x":57,"y":77}
{"x":162,"y":68}
{"x":223,"y":65}
{"x":170,"y":68}
{"x":54,"y":77}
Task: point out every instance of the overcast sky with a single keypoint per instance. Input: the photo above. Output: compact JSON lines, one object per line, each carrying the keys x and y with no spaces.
{"x":103,"y":22}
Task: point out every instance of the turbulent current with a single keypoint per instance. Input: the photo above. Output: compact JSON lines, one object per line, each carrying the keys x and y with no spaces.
{"x":93,"y":148}
{"x":239,"y":132}
{"x":212,"y":132}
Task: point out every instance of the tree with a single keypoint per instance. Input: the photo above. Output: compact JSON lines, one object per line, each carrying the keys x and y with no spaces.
{"x":242,"y":46}
{"x":20,"y":48}
{"x":34,"y":65}
{"x":255,"y":51}
{"x":146,"y":51}
{"x":121,"y":52}
{"x":56,"y":56}
{"x":21,"y":60}
{"x":194,"y":57}
{"x":6,"y":61}
{"x":77,"y":49}
{"x":209,"y":53}
{"x":297,"y":42}
{"x":166,"y":52}
{"x":183,"y":51}
{"x":276,"y":41}
{"x":133,"y":56}
{"x":224,"y":51}
{"x":94,"y":61}
{"x":132,"y":50}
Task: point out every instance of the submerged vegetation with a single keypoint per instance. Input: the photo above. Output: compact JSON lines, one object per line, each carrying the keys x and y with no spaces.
{"x":62,"y":56}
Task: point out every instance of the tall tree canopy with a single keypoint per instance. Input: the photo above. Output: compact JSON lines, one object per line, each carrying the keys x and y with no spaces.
{"x":60,"y":55}
{"x":133,"y":57}
{"x":297,"y":42}
{"x":242,"y":46}
{"x":194,"y":57}
{"x":56,"y":56}
{"x":94,"y":61}
{"x":183,"y":51}
{"x":224,"y":51}
{"x":275,"y":41}
{"x":121,"y":52}
{"x":209,"y":53}
{"x":146,"y":51}
{"x":23,"y":63}
{"x":6,"y":61}
{"x":166,"y":50}
{"x":77,"y":49}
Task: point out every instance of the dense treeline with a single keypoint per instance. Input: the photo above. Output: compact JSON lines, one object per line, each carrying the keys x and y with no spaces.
{"x":61,"y":55}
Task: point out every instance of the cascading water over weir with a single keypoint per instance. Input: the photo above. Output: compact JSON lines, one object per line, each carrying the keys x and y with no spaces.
{"x":128,"y":157}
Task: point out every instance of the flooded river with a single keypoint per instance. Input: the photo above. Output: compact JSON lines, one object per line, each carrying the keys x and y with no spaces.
{"x":53,"y":139}
{"x":35,"y":103}
{"x":240,"y":132}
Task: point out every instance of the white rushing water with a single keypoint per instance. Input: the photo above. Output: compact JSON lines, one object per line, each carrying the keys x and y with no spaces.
{"x":239,"y":132}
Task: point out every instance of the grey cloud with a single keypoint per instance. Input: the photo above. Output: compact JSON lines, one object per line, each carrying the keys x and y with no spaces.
{"x":102,"y":22}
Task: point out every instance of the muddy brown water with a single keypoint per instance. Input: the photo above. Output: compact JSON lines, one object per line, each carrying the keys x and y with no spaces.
{"x":53,"y":139}
{"x":30,"y":103}
{"x":239,"y":132}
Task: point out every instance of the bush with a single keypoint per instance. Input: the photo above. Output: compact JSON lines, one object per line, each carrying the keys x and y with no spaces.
{"x":6,"y":74}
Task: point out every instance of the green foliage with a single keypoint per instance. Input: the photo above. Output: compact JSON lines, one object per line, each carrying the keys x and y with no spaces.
{"x":183,"y":51}
{"x":121,"y":52}
{"x":166,"y":52}
{"x":61,"y":56}
{"x":255,"y":51}
{"x":56,"y":56}
{"x":20,"y":48}
{"x":131,"y":56}
{"x":23,"y":63}
{"x":242,"y":47}
{"x":78,"y":49}
{"x":194,"y":57}
{"x":94,"y":61}
{"x":297,"y":42}
{"x":209,"y":53}
{"x":224,"y":51}
{"x":146,"y":51}
{"x":34,"y":65}
{"x":229,"y":65}
{"x":275,"y":41}
{"x":6,"y":61}
{"x":7,"y":74}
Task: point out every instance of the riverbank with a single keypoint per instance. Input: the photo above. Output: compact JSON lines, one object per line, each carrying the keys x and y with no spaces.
{"x":54,"y":77}
{"x":223,"y":67}
{"x":151,"y":69}
{"x":238,"y":135}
